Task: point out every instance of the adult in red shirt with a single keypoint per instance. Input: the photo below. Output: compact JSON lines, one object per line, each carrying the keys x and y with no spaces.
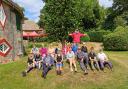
{"x":76,"y":36}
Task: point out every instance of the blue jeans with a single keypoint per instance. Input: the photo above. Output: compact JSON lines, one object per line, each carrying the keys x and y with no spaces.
{"x":104,"y":63}
{"x":82,"y":65}
{"x":59,"y":64}
{"x":86,"y":59}
{"x":46,"y":69}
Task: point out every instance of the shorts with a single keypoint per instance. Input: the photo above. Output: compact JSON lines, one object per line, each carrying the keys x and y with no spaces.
{"x":59,"y":64}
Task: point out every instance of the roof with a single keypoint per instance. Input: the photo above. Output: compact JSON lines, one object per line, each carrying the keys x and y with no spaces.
{"x":30,"y":26}
{"x":15,"y":6}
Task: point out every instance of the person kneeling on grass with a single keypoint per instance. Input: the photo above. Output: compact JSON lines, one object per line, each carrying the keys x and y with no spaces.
{"x":81,"y":57}
{"x":30,"y":63}
{"x":92,"y":59}
{"x":71,"y":59}
{"x":59,"y":63}
{"x":103,"y":60}
{"x":48,"y":62}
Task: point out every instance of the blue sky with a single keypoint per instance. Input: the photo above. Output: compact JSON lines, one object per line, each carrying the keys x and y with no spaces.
{"x":33,"y":7}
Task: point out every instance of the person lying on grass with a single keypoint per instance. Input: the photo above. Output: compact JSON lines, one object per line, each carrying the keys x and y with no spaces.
{"x":30,"y":63}
{"x":93,"y":60}
{"x":47,"y":63}
{"x":81,"y":56}
{"x":103,"y":60}
{"x":59,"y":63}
{"x":71,"y":59}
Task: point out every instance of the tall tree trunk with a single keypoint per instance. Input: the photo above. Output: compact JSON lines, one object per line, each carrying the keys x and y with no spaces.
{"x":63,"y":43}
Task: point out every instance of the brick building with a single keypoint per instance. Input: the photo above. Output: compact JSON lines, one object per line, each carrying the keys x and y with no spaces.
{"x":11,"y":19}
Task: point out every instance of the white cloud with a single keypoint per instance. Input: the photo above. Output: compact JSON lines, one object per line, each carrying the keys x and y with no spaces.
{"x":106,"y":3}
{"x":32,"y":8}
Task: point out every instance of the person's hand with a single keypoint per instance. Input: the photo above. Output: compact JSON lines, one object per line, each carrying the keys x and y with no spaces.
{"x":92,"y":59}
{"x":82,"y":60}
{"x":46,"y":64}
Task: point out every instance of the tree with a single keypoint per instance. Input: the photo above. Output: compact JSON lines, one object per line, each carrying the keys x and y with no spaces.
{"x":120,"y":5}
{"x":117,"y":15}
{"x":91,"y":14}
{"x":59,"y":18}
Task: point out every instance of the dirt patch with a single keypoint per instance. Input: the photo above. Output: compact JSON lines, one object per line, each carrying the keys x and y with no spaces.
{"x":96,"y":45}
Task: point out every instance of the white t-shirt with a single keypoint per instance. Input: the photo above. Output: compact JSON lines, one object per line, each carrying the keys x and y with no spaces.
{"x":70,"y":55}
{"x":102,"y":56}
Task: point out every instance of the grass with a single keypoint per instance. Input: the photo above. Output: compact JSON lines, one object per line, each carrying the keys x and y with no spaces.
{"x":10,"y":76}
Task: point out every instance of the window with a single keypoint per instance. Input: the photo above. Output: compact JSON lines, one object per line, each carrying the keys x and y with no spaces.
{"x":18,"y":22}
{"x":4,"y":47}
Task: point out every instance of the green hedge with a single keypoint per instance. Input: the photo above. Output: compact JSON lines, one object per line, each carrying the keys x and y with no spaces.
{"x":39,"y":39}
{"x":85,"y":39}
{"x":30,"y":45}
{"x":97,"y":36}
{"x":117,"y":41}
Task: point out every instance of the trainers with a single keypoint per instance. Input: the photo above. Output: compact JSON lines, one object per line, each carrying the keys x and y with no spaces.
{"x":85,"y":73}
{"x":23,"y":73}
{"x":71,"y":70}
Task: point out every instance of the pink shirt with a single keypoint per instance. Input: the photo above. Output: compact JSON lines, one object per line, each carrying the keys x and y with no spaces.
{"x":43,"y":51}
{"x":76,"y":37}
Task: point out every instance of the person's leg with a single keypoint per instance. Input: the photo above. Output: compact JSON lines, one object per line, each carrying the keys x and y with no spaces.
{"x":109,"y":64}
{"x":60,"y":68}
{"x":57,"y":68}
{"x":74,"y":63}
{"x":70,"y":61}
{"x":45,"y":70}
{"x":30,"y":67}
{"x":39,"y":65}
{"x":82,"y":65}
{"x":92,"y":64}
{"x":86,"y":60}
{"x":102,"y":65}
{"x":97,"y":64}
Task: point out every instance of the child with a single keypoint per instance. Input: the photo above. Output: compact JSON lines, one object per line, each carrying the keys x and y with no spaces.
{"x":59,"y":63}
{"x":71,"y":59}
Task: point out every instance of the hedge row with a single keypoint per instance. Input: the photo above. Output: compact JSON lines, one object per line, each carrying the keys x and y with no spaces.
{"x":97,"y":36}
{"x":117,"y":41}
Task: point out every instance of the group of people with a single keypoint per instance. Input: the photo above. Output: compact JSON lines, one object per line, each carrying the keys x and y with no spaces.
{"x":46,"y":58}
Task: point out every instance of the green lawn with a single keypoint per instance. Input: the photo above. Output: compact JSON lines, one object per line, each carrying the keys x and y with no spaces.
{"x":10,"y":76}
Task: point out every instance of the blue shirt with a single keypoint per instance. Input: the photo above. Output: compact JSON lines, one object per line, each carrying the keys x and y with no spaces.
{"x":74,"y":48}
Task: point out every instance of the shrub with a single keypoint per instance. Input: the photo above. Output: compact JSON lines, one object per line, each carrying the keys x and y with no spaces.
{"x":117,"y":41}
{"x":41,"y":39}
{"x":30,"y":45}
{"x":97,"y":36}
{"x":85,"y":39}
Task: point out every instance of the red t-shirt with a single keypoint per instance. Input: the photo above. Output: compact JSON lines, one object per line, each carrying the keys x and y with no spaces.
{"x":76,"y":37}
